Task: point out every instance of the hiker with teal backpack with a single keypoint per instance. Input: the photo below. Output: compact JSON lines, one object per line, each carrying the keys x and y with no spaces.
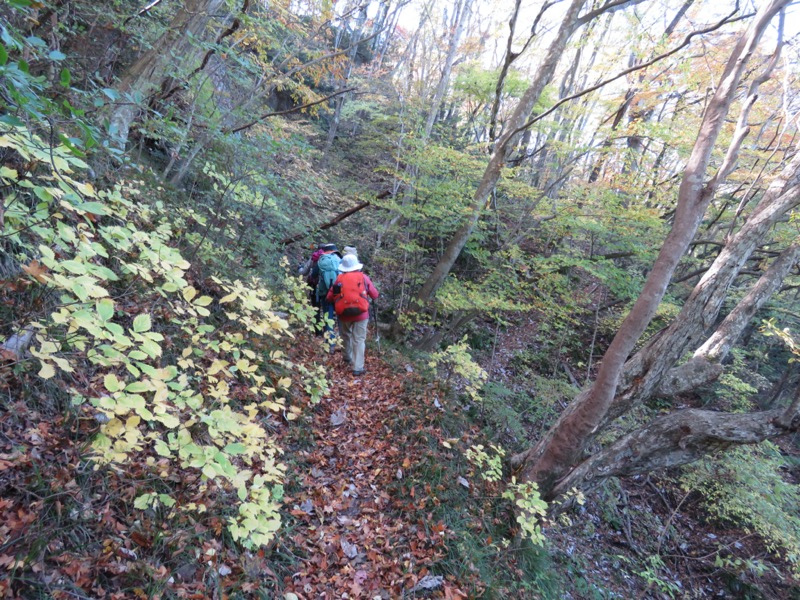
{"x":328,"y":268}
{"x":350,"y":295}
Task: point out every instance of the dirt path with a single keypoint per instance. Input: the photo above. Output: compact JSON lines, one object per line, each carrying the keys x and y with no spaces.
{"x":360,"y":527}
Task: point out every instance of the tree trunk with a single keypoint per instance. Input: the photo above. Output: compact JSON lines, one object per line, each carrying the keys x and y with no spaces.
{"x":460,"y":21}
{"x":555,"y":455}
{"x":505,"y":144}
{"x":704,"y":366}
{"x":678,"y":439}
{"x":152,"y":68}
{"x":358,"y":34}
{"x":645,"y":371}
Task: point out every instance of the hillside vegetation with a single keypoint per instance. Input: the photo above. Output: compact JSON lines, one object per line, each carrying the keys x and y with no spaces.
{"x":581,"y":376}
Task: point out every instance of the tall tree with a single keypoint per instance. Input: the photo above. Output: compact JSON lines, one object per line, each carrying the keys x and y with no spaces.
{"x":560,"y":449}
{"x":146,"y":75}
{"x":504,"y":146}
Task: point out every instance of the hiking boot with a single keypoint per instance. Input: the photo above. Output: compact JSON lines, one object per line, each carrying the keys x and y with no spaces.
{"x":357,"y":373}
{"x":347,"y":360}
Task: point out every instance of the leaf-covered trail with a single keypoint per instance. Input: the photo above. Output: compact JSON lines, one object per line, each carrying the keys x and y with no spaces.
{"x":362,"y":527}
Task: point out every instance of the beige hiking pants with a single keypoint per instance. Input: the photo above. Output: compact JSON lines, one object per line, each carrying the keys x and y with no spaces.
{"x":354,"y":337}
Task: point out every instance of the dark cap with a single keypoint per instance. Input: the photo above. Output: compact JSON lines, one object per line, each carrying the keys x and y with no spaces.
{"x":329,"y":248}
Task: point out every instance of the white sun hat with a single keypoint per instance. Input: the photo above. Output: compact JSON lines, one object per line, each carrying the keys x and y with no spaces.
{"x":350,"y":263}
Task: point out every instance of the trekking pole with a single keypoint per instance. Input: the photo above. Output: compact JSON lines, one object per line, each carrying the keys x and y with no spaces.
{"x":377,"y":329}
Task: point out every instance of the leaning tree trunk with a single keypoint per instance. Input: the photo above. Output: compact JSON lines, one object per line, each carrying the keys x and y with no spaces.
{"x":147,"y":74}
{"x":559,"y":450}
{"x":504,"y":145}
{"x":705,"y":365}
{"x":648,"y":368}
{"x":678,"y":439}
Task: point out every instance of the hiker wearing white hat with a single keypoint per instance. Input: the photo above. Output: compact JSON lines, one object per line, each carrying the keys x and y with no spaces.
{"x":350,"y":295}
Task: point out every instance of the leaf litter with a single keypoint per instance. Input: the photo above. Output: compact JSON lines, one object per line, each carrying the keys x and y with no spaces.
{"x":370,"y":533}
{"x":356,"y":521}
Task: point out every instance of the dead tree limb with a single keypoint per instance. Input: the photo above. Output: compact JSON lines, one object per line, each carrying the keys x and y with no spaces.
{"x":333,"y":222}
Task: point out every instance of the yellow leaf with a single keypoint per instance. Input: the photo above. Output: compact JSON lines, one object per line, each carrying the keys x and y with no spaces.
{"x":229,"y":298}
{"x":63,"y":364}
{"x":203,"y":301}
{"x":113,"y":428}
{"x":284,"y":382}
{"x":47,"y":371}
{"x":189,"y":293}
{"x":217,"y":366}
{"x":161,"y":395}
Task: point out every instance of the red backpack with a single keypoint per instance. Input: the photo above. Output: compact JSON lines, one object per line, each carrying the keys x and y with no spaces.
{"x":350,"y":295}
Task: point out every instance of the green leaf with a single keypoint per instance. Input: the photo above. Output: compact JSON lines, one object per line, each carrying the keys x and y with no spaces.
{"x":142,"y":323}
{"x":36,"y":41}
{"x":112,"y":383}
{"x":162,"y":449}
{"x":169,"y":421}
{"x":152,"y":349}
{"x":203,"y":301}
{"x":138,"y":386}
{"x":235,"y":448}
{"x":8,"y":174}
{"x":166,"y":500}
{"x":66,"y":78}
{"x":105,"y":308}
{"x":56,"y":55}
{"x":144,"y":501}
{"x":12,"y":120}
{"x":3,"y":55}
{"x":96,"y":208}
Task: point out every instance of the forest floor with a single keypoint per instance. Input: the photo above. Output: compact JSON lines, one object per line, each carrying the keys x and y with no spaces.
{"x":380,"y":503}
{"x":364,"y":525}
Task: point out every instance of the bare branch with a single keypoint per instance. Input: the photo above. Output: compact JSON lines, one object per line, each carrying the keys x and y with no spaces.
{"x":609,"y":7}
{"x":285,"y":112}
{"x":638,"y":67}
{"x":143,"y":11}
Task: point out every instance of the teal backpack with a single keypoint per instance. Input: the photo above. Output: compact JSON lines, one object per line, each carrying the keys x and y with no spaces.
{"x":328,"y":272}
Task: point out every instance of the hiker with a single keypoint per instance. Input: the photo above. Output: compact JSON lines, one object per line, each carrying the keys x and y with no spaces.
{"x":350,"y":295}
{"x":350,"y":250}
{"x":328,"y":270}
{"x":310,"y":271}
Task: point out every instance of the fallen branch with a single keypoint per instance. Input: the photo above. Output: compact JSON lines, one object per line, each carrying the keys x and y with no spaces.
{"x":335,"y":221}
{"x":286,"y":112}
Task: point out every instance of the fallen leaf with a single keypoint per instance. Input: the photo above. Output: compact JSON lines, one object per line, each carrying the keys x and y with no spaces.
{"x":339,"y":417}
{"x":429,"y":582}
{"x":350,"y":550}
{"x":36,"y":270}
